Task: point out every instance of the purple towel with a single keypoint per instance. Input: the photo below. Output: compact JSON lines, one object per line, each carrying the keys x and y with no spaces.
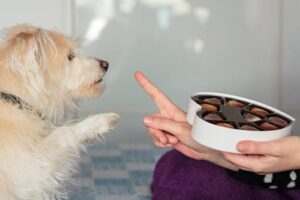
{"x":177,"y":177}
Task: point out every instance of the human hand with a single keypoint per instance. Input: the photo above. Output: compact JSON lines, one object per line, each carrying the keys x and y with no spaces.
{"x":169,"y":128}
{"x":266,"y":157}
{"x":167,"y":109}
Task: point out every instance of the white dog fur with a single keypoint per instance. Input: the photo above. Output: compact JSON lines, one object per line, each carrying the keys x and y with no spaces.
{"x":42,"y":69}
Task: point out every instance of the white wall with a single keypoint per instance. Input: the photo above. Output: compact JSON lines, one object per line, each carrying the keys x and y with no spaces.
{"x":290,"y":64}
{"x":207,"y":45}
{"x":50,"y":14}
{"x":290,"y":90}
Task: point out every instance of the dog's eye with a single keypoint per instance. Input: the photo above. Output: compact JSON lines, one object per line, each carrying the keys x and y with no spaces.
{"x":71,"y":55}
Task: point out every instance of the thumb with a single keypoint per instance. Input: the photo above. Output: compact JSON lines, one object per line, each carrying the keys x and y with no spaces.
{"x":259,"y":148}
{"x":167,"y":125}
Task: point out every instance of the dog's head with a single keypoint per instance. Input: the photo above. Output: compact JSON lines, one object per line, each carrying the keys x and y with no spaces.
{"x":45,"y":69}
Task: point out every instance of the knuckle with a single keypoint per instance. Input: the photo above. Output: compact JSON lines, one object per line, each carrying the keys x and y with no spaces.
{"x":153,"y":96}
{"x":155,"y":134}
{"x":256,"y":148}
{"x":253,"y":148}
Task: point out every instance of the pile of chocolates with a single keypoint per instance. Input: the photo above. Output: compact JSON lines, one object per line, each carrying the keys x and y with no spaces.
{"x":237,"y":114}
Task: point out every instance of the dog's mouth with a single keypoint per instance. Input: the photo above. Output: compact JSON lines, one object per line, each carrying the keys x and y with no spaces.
{"x":98,"y":81}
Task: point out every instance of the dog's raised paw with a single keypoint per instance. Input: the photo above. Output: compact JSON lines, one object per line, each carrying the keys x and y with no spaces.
{"x":112,"y":119}
{"x":106,"y":122}
{"x":99,"y":123}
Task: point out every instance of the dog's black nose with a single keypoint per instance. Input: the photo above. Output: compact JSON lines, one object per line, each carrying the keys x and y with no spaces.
{"x":103,"y":64}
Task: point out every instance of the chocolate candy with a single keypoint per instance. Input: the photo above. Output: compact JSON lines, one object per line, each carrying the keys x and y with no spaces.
{"x":268,"y":126}
{"x":213,"y":100}
{"x":239,"y":114}
{"x":213,"y":117}
{"x":209,"y":107}
{"x":226,"y":125}
{"x":234,"y":103}
{"x":278,"y":121}
{"x":250,"y":117}
{"x":259,"y":111}
{"x":248,"y":127}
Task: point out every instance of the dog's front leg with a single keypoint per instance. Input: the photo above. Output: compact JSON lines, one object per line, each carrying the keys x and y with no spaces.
{"x":74,"y":135}
{"x":61,"y":148}
{"x":58,"y":153}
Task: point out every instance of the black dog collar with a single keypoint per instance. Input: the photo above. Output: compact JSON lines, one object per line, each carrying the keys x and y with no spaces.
{"x":10,"y":98}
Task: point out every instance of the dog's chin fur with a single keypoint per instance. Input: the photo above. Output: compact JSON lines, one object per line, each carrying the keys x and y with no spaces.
{"x":44,"y":70}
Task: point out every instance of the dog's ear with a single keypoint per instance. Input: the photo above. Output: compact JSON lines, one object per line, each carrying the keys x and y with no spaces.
{"x":20,"y":32}
{"x":25,"y":48}
{"x":24,"y":37}
{"x":28,"y":41}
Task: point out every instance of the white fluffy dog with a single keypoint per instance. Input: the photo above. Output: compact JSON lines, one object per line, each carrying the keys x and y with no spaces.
{"x":41,"y":77}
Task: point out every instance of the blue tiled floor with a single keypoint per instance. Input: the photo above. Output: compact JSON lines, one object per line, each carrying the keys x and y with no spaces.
{"x":116,"y":172}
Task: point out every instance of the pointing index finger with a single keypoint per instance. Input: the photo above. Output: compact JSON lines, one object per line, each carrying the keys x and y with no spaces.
{"x":159,"y":98}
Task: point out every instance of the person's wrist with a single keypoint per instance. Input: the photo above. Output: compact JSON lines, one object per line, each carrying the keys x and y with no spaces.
{"x":291,"y":152}
{"x":296,"y":155}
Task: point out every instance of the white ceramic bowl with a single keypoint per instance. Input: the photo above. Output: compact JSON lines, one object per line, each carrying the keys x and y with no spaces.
{"x":226,"y":139}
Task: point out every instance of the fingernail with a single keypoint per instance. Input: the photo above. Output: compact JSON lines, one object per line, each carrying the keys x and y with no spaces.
{"x":147,"y":120}
{"x":242,"y":147}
